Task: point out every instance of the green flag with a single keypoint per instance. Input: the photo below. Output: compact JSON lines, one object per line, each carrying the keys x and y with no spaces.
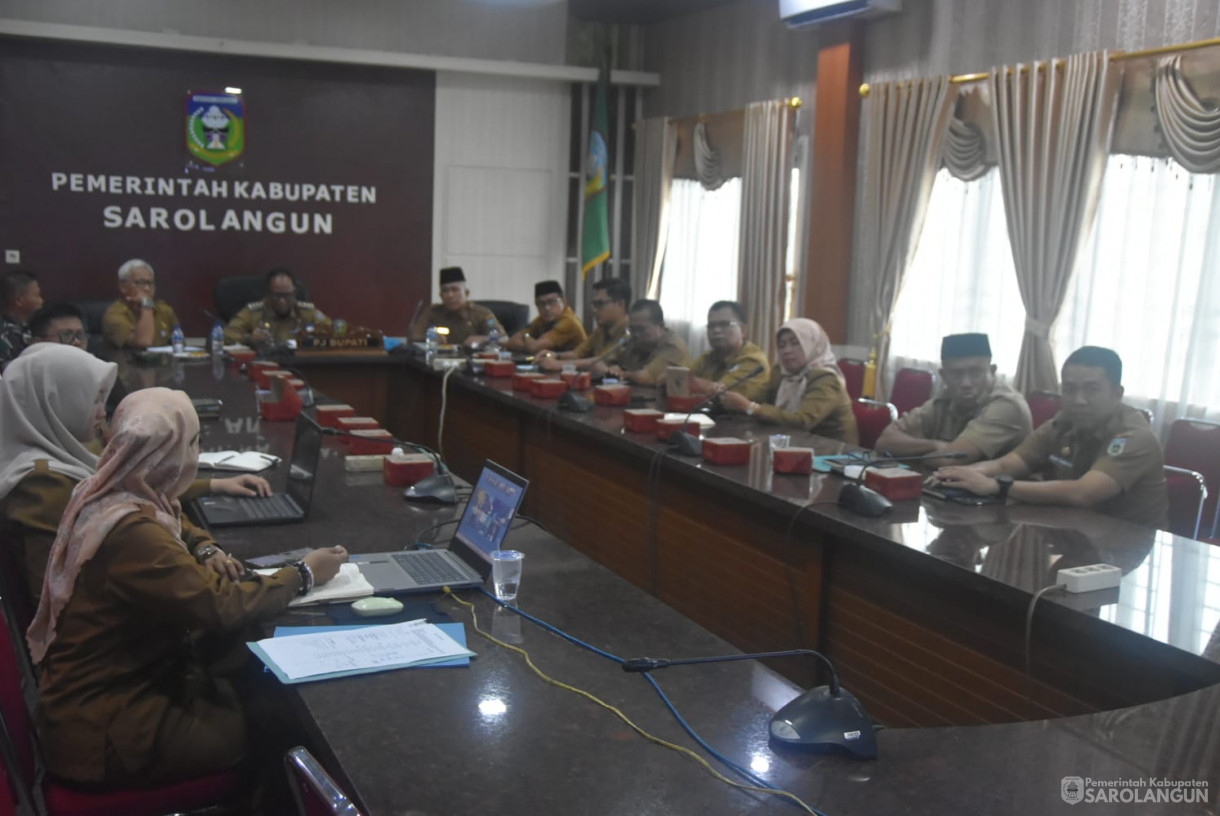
{"x":595,"y":240}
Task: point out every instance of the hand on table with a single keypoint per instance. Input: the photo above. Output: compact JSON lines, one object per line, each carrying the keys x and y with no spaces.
{"x":246,"y":484}
{"x":325,"y":563}
{"x":967,"y":478}
{"x":225,"y":565}
{"x":733,"y":401}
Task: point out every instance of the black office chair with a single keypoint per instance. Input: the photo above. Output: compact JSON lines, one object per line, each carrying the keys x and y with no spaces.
{"x":233,"y":292}
{"x":512,"y":316}
{"x":93,"y":311}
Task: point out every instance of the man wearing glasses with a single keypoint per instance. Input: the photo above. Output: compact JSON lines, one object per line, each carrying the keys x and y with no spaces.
{"x":974,"y":414}
{"x":652,"y":350}
{"x":278,"y":317}
{"x":59,"y":323}
{"x":731,"y":356}
{"x":556,"y":327}
{"x":137,"y":319}
{"x":610,"y":299}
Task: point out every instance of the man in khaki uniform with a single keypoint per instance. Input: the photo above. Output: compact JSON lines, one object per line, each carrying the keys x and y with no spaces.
{"x":1095,"y":453}
{"x":974,"y":414}
{"x":468,"y":323}
{"x":610,"y":299}
{"x":651,"y":350}
{"x":731,"y":356}
{"x":137,"y":319}
{"x":556,"y":328}
{"x":278,"y":317}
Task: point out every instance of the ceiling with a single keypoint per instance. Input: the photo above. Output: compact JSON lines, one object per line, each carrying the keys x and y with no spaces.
{"x":640,"y":12}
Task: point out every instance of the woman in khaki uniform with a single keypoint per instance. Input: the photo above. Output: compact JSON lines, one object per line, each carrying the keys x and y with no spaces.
{"x":125,"y":698}
{"x":806,"y":390}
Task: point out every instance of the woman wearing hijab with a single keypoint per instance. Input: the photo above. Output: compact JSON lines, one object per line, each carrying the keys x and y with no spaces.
{"x":125,"y":700}
{"x":806,"y":390}
{"x":52,"y":412}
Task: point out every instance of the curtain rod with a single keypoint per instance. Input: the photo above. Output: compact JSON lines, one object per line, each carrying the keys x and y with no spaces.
{"x":964,"y":79}
{"x":792,"y":102}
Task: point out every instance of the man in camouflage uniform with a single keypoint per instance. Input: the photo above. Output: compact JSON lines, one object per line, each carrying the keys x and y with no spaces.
{"x":20,"y":297}
{"x":278,"y":317}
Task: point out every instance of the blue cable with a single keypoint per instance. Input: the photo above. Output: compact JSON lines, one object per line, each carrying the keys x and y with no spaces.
{"x":747,"y":775}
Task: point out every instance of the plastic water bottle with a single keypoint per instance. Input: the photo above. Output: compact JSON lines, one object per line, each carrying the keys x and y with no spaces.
{"x":178,"y":340}
{"x":493,"y":335}
{"x":432,"y":339}
{"x":218,"y":338}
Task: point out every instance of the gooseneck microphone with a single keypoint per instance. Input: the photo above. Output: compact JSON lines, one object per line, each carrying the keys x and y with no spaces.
{"x":865,"y":501}
{"x":691,"y":445}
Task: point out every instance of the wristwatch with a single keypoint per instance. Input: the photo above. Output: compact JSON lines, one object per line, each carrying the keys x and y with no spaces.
{"x":205,"y":552}
{"x":306,"y":577}
{"x":148,"y":303}
{"x":1005,"y":484}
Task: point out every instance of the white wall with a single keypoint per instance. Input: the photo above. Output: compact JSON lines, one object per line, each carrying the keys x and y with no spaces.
{"x":500,"y":186}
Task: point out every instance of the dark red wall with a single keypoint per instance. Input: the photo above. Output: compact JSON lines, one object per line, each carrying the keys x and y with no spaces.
{"x":99,"y":109}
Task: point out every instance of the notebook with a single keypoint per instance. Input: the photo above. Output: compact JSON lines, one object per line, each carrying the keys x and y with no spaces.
{"x":467,"y":563}
{"x":278,"y":508}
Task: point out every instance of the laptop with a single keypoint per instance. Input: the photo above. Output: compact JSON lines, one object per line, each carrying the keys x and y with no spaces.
{"x":278,"y":508}
{"x":467,"y":563}
{"x":959,"y":495}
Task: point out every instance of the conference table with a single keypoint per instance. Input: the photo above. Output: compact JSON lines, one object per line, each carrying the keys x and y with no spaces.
{"x":646,"y":554}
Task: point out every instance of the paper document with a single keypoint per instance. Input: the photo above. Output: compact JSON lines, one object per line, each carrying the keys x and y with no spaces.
{"x":704,"y":420}
{"x":246,"y":461}
{"x":348,"y":585}
{"x":374,"y":647}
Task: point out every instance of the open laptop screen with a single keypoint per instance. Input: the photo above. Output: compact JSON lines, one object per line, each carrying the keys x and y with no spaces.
{"x":491,"y":509}
{"x":306,"y":450}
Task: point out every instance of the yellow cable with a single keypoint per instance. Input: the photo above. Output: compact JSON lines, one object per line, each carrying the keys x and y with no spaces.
{"x":474,"y":620}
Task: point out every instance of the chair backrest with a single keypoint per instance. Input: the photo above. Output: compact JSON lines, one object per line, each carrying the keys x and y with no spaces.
{"x":1194,"y":444}
{"x":233,"y":292}
{"x":853,"y":376}
{"x":512,"y":316}
{"x":1187,"y":494}
{"x":93,"y":312}
{"x":872,"y":417}
{"x":912,"y":388}
{"x":316,"y":793}
{"x":1043,"y":405}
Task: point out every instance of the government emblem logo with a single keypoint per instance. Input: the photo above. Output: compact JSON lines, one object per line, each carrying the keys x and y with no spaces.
{"x":1072,"y":789}
{"x":1117,"y":445}
{"x":215,"y":127}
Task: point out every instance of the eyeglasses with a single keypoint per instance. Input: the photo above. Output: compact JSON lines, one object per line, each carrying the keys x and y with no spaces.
{"x":143,"y":283}
{"x":68,"y":337}
{"x":722,"y":325}
{"x":600,"y":304}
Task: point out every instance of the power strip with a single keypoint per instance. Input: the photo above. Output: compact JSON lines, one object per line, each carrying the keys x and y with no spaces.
{"x":362,"y":462}
{"x":1090,"y":578}
{"x":443,"y":363}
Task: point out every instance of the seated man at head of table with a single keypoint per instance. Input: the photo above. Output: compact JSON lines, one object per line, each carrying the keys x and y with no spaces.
{"x":20,"y":297}
{"x":468,"y":323}
{"x":975,"y":414}
{"x":1096,"y":452}
{"x":137,"y":319}
{"x":59,"y":323}
{"x":556,"y":328}
{"x":651,"y":350}
{"x":610,"y":300}
{"x":731,"y":358}
{"x":278,"y":317}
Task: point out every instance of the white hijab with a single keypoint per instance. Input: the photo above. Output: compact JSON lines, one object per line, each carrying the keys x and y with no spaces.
{"x":818,"y":354}
{"x":48,"y":396}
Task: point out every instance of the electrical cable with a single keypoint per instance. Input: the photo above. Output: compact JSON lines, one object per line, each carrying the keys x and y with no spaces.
{"x":1029,"y":628}
{"x":707,"y":766}
{"x":419,"y":536}
{"x":440,"y":427}
{"x":797,"y":514}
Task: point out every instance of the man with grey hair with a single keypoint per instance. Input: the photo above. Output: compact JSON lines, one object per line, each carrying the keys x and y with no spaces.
{"x":137,"y":319}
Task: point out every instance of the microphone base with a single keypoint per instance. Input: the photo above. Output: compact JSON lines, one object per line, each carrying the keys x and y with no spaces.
{"x":825,"y":723}
{"x":863,"y":501}
{"x":686,"y":444}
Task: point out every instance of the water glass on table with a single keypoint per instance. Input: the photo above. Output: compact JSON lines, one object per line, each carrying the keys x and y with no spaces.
{"x":506,"y":573}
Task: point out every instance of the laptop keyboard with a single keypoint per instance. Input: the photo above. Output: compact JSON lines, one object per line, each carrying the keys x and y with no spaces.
{"x":275,"y":506}
{"x":430,"y":568}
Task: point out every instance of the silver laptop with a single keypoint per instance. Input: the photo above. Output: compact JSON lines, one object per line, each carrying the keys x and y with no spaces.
{"x":467,"y":563}
{"x":278,"y":508}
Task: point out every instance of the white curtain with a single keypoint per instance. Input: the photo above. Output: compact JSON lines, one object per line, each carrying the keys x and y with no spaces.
{"x":707,"y":159}
{"x":961,"y":278}
{"x":700,"y":256}
{"x":1053,"y":122}
{"x":656,"y":144}
{"x":1190,"y":126}
{"x":765,"y":183}
{"x":1147,"y":285}
{"x":907,"y":125}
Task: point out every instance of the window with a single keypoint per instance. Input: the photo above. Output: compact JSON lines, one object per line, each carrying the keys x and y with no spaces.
{"x":700,"y":265}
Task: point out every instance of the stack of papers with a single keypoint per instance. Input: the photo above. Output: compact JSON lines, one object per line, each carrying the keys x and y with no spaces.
{"x":245,"y":461}
{"x":348,"y":585}
{"x":342,"y":652}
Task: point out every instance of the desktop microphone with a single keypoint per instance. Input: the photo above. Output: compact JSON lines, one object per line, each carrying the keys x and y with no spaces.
{"x":691,"y":445}
{"x":824,"y":719}
{"x":865,"y":501}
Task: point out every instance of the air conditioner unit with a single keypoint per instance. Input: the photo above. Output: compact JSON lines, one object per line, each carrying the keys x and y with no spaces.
{"x":802,"y":13}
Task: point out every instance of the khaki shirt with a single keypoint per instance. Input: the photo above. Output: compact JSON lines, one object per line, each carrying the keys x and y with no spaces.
{"x":1125,"y":449}
{"x":996,"y":425}
{"x":258,"y":313}
{"x":712,"y":367}
{"x":601,"y":340}
{"x":825,"y":408}
{"x":122,"y":673}
{"x":119,"y":323}
{"x":470,"y":320}
{"x":631,"y":358}
{"x":566,"y":333}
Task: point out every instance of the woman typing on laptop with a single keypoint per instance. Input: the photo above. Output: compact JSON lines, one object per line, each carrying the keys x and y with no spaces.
{"x":125,"y":697}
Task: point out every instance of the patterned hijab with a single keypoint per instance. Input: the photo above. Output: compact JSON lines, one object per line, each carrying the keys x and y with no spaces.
{"x":48,"y":399}
{"x":150,"y":460}
{"x":818,"y":354}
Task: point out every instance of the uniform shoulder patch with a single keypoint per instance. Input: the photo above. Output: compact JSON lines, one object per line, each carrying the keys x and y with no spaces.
{"x":255,"y":305}
{"x":1117,"y":445}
